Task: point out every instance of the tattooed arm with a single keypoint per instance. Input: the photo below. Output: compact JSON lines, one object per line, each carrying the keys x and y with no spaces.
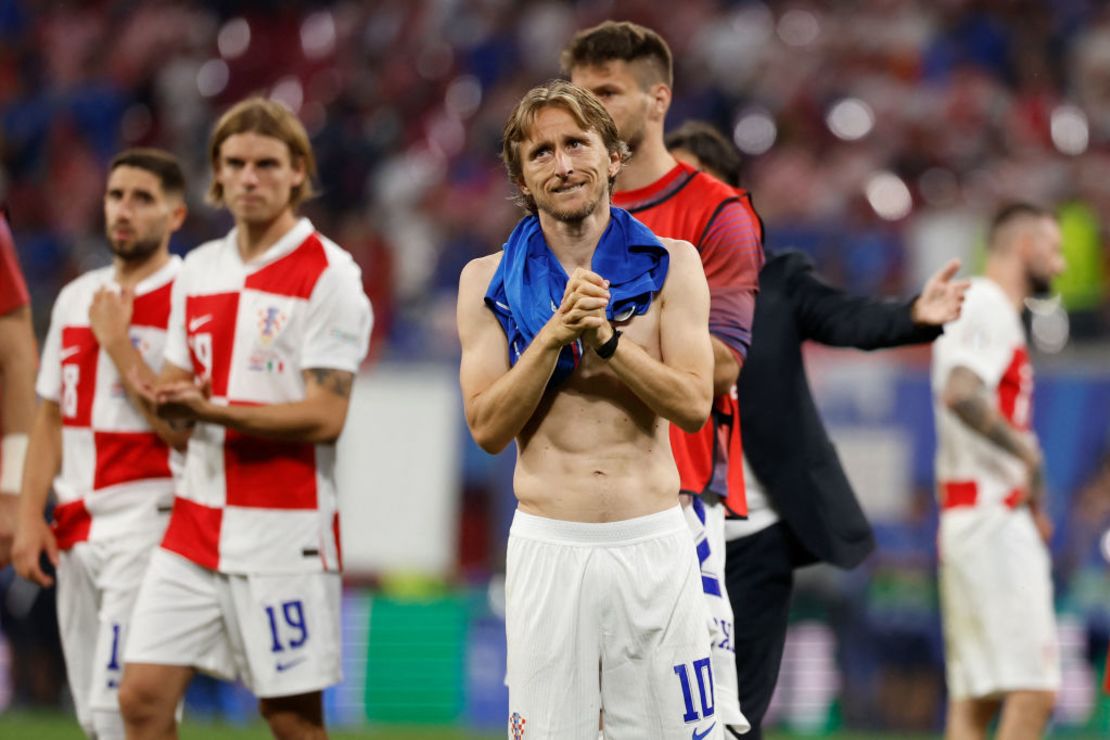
{"x":966,"y":395}
{"x":318,"y":418}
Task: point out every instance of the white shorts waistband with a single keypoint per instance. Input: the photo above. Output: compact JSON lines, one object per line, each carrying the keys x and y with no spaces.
{"x":559,"y":531}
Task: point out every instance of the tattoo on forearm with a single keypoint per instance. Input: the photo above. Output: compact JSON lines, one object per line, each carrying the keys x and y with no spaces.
{"x":337,"y":381}
{"x":979,"y":414}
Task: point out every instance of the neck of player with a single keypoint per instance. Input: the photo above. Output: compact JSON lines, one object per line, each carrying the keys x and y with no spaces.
{"x":1009,"y":274}
{"x":255,"y":237}
{"x":649,"y":162}
{"x":573,"y":242}
{"x":129,"y":273}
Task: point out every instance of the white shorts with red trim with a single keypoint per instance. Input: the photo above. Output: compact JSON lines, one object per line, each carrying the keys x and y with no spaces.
{"x":607,"y":616}
{"x":278,"y":633}
{"x":996,"y":603}
{"x":98,"y":583}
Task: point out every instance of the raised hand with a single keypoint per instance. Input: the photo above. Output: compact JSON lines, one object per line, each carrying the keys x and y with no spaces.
{"x":942,"y":297}
{"x":110,"y":315}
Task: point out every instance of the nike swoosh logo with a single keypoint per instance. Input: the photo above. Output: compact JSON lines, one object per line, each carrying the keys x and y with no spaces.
{"x":68,"y":352}
{"x":281,"y":667}
{"x":699,"y":735}
{"x":199,"y":321}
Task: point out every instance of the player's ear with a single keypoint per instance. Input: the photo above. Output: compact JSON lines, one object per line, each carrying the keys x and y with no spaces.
{"x":660,"y":100}
{"x":615,"y":163}
{"x":177,"y":215}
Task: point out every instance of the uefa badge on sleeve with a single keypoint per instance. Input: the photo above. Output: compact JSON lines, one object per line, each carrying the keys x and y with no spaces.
{"x":516,"y":725}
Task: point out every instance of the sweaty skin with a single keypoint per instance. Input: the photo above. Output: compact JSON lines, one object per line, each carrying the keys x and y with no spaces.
{"x":596,"y":448}
{"x":593,"y":451}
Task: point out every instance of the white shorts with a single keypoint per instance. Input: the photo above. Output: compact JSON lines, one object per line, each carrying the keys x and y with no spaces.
{"x":278,"y":634}
{"x":996,"y":604}
{"x":607,"y":616}
{"x":97,"y":586}
{"x":707,"y":526}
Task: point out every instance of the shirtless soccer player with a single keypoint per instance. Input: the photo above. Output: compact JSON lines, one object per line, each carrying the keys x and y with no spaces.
{"x":586,"y":373}
{"x":267,"y":328}
{"x":629,"y":67}
{"x":106,"y":456}
{"x":995,"y":570}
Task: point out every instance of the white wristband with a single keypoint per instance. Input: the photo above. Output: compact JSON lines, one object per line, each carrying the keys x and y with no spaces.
{"x":13,"y":449}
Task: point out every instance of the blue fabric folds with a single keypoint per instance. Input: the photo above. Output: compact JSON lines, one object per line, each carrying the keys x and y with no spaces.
{"x":529,"y":283}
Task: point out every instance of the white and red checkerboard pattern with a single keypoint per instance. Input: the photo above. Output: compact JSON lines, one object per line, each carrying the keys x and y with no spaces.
{"x":116,"y":472}
{"x":248,"y":504}
{"x":989,"y":340}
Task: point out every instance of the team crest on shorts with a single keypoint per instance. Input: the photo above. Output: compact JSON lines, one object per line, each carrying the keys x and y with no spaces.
{"x":516,"y":725}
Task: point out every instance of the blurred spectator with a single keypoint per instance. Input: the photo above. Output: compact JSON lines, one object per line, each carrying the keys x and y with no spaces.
{"x":862,"y":126}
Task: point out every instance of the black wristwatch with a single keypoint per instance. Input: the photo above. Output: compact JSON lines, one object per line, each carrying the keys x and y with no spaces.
{"x":606,"y":350}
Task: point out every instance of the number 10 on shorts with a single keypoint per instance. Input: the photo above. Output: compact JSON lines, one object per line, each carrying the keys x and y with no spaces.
{"x":702,"y":671}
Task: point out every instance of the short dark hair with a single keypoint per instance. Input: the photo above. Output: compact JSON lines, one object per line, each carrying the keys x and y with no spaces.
{"x":620,"y":40}
{"x":1011,"y":212}
{"x":710,"y":146}
{"x":158,"y":162}
{"x":582,"y":105}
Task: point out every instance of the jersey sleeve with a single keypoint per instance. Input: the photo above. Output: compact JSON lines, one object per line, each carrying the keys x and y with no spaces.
{"x":13,"y":289}
{"x":177,"y":346}
{"x":980,"y":340}
{"x":48,"y":385}
{"x":339,"y":320}
{"x":732,"y":255}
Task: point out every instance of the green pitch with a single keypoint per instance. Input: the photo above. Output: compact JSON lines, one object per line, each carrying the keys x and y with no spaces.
{"x":54,"y":726}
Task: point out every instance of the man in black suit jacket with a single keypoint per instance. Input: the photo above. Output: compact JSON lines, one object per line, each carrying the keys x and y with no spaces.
{"x":803,"y":509}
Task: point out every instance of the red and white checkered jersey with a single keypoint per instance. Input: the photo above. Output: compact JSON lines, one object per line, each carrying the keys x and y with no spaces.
{"x":116,"y":472}
{"x":989,"y":340}
{"x":248,"y":504}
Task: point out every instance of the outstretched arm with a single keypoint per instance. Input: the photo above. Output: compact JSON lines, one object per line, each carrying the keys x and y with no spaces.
{"x":499,"y":399}
{"x":679,"y":387}
{"x":831,"y":316}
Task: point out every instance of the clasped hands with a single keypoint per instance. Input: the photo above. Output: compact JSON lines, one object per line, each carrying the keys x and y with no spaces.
{"x":176,"y":400}
{"x":582,"y":311}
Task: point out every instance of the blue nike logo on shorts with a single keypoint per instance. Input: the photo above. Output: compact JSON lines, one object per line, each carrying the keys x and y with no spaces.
{"x":699,"y":735}
{"x":290,"y":664}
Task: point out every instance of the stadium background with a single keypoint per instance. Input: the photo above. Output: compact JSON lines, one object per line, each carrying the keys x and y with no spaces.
{"x":878,"y":136}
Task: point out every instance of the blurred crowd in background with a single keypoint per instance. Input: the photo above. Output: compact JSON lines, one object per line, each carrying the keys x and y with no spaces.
{"x":877,"y":135}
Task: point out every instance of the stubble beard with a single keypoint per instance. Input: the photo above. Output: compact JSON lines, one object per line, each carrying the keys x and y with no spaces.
{"x":139,"y":251}
{"x":575,"y":216}
{"x":1039,"y":285}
